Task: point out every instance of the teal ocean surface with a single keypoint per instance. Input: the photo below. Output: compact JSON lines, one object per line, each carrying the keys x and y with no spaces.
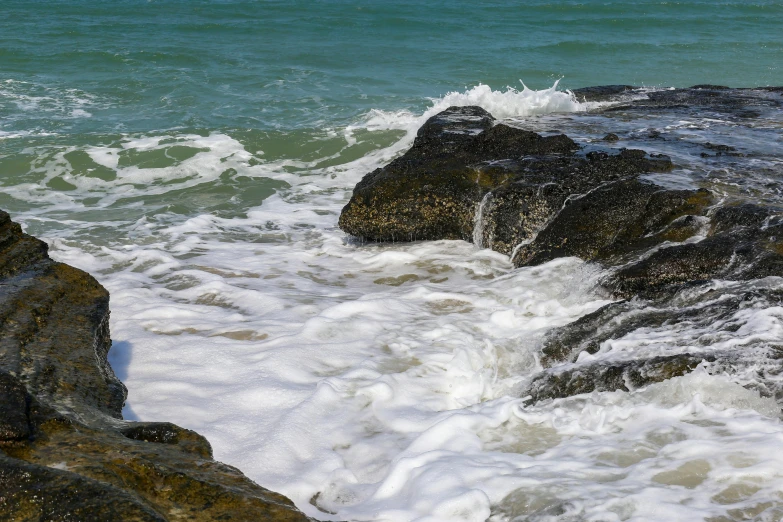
{"x":151,"y":65}
{"x":195,"y":155}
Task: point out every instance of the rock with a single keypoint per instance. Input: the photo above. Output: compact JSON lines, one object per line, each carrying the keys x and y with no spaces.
{"x":537,"y":198}
{"x":611,"y":137}
{"x":49,"y":313}
{"x":539,"y":188}
{"x":743,"y":244}
{"x":659,"y":339}
{"x":458,"y":159}
{"x":612,"y":376}
{"x":33,"y":492}
{"x":602,"y":92}
{"x":745,"y":215}
{"x":739,"y":103}
{"x":65,"y":452}
{"x":612,"y":221}
{"x":433,"y":190}
{"x":168,"y":433}
{"x":13,"y":409}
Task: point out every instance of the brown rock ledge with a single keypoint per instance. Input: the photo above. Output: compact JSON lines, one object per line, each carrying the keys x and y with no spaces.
{"x":66,"y":454}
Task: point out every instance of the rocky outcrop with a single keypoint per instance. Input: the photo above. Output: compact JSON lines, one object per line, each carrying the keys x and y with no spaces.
{"x":745,"y":242}
{"x":65,"y":452}
{"x":616,"y":219}
{"x":458,"y":158}
{"x":508,"y":188}
{"x":539,"y":197}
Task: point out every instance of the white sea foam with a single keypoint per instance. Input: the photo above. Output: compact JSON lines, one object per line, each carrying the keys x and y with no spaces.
{"x":383,"y":382}
{"x":502,"y":104}
{"x":34,"y":100}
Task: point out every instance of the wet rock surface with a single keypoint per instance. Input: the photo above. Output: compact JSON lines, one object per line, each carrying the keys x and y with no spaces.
{"x":629,"y":344}
{"x":459,"y":158}
{"x":688,"y":262}
{"x":65,"y":452}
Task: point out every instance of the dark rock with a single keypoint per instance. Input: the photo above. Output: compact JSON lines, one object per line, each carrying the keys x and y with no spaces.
{"x":677,"y":265}
{"x":693,"y":322}
{"x":515,"y":212}
{"x":65,"y":452}
{"x":435,"y":189}
{"x":538,"y":198}
{"x":168,"y":433}
{"x":722,"y":148}
{"x":608,"y":223}
{"x":13,"y":409}
{"x":611,"y":137}
{"x":602,"y":92}
{"x":432,"y":191}
{"x":739,"y":247}
{"x":739,"y":103}
{"x":34,"y":492}
{"x":611,"y":376}
{"x":172,"y":482}
{"x":711,"y":87}
{"x":745,"y":215}
{"x":49,"y":313}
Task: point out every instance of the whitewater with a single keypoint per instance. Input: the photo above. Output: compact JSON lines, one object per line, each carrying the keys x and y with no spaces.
{"x":383,"y":382}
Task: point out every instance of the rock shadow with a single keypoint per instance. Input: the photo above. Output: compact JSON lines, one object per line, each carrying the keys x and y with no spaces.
{"x":120,"y":356}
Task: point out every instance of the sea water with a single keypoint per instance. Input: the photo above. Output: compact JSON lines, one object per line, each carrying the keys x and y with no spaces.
{"x":194,"y":156}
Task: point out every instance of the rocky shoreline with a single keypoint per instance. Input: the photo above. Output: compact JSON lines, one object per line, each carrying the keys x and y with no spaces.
{"x":670,"y":254}
{"x":685,"y":263}
{"x":65,"y":451}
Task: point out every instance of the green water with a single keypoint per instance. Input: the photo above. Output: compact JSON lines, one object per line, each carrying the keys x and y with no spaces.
{"x":151,"y":65}
{"x":285,"y":79}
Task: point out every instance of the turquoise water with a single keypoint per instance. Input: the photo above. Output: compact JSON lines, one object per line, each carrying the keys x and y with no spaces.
{"x":151,"y":65}
{"x":285,"y":78}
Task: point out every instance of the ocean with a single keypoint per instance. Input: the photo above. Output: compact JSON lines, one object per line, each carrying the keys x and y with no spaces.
{"x":194,"y":156}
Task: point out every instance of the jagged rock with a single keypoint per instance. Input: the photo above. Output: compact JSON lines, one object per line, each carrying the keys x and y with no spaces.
{"x":33,"y":492}
{"x":739,"y":103}
{"x":13,"y":409}
{"x":537,"y":198}
{"x":540,"y":187}
{"x":681,"y":330}
{"x":49,"y":313}
{"x":65,"y":452}
{"x":432,"y":191}
{"x":612,"y":376}
{"x":458,"y":158}
{"x":611,"y":221}
{"x":743,"y":244}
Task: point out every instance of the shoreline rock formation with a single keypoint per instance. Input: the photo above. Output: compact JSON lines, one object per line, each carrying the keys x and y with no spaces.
{"x":65,"y":451}
{"x":538,"y":197}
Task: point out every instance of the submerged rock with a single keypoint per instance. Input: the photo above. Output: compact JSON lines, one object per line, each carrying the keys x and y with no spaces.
{"x":630,"y":344}
{"x":65,"y":452}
